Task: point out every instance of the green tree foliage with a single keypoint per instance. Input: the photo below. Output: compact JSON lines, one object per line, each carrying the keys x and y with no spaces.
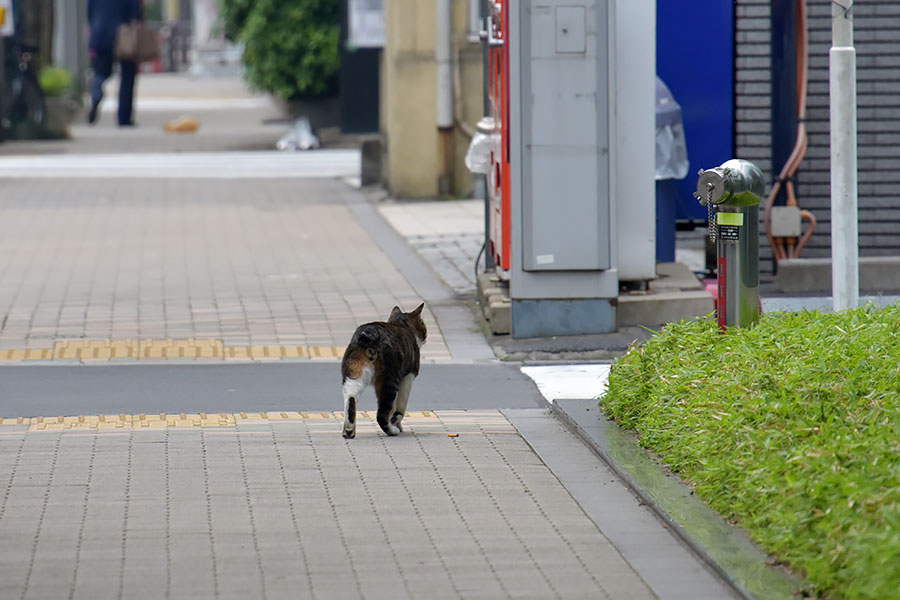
{"x":291,"y":46}
{"x":234,"y":15}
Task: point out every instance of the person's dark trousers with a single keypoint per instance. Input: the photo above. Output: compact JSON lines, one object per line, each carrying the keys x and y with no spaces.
{"x":102,"y":64}
{"x":127,"y":70}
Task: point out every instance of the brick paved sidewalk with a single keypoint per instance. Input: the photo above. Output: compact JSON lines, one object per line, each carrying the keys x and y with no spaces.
{"x":457,"y":507}
{"x":245,"y":268}
{"x":446,"y":233}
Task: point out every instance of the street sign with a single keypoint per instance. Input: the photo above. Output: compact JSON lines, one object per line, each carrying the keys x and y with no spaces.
{"x":366,"y":23}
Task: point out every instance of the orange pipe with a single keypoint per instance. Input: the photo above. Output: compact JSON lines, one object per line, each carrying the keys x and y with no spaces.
{"x":779,"y":249}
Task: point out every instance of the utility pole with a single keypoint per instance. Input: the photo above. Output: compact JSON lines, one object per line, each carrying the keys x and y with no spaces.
{"x":844,"y":225}
{"x":69,"y":47}
{"x":6,"y":28}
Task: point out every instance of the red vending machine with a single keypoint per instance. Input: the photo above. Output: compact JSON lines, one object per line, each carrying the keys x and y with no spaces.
{"x":498,"y":92}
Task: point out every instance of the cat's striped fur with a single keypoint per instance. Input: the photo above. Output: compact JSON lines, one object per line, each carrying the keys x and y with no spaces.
{"x":384,"y":354}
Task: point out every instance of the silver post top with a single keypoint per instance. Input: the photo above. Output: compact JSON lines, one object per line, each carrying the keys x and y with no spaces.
{"x":736,"y":183}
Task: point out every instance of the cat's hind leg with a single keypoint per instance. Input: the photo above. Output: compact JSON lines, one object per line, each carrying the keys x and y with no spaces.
{"x":357,"y":373}
{"x":349,"y":431}
{"x":352,"y":390}
{"x":399,"y":410}
{"x":387,"y":394}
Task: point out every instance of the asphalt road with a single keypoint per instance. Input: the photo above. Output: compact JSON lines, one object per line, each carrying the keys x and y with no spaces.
{"x":28,"y":391}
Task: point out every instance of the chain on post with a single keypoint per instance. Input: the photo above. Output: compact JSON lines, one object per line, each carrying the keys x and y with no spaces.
{"x":713,"y":228}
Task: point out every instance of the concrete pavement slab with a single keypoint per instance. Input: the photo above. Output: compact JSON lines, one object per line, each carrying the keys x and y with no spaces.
{"x":663,"y":562}
{"x":725,"y":548}
{"x":33,"y":391}
{"x":270,"y":164}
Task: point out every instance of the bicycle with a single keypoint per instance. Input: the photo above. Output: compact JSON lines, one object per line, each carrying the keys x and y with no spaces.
{"x":24,"y":114}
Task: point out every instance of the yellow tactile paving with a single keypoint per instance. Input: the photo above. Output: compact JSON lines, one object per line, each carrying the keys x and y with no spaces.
{"x":99,"y":350}
{"x":325,"y":352}
{"x":169,"y":348}
{"x":161,"y":420}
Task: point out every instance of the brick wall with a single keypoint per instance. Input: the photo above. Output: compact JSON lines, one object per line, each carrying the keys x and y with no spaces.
{"x":877,"y":31}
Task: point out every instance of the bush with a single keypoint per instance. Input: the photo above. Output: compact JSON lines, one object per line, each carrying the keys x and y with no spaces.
{"x":791,"y":429}
{"x":54,"y":81}
{"x":234,"y":15}
{"x":290,"y":46}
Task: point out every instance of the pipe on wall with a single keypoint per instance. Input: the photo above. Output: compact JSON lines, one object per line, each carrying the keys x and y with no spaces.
{"x":443,"y":58}
{"x":473,"y":32}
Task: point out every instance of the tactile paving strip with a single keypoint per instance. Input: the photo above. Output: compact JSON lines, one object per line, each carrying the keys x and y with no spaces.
{"x":187,"y":349}
{"x":162,"y":420}
{"x":99,"y":350}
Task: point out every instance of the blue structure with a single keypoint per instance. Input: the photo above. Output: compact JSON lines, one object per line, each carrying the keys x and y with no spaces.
{"x":695,"y":57}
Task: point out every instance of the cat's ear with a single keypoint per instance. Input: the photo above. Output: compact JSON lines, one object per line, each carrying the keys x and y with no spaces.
{"x":395,"y":312}
{"x":418,"y":310}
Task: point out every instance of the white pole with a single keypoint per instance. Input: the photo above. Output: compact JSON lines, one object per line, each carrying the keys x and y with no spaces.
{"x":442,"y":45}
{"x":844,"y":228}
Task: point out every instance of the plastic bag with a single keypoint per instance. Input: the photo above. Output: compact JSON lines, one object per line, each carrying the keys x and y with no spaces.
{"x":671,"y":153}
{"x":671,"y":148}
{"x":478,"y":157}
{"x":300,"y":137}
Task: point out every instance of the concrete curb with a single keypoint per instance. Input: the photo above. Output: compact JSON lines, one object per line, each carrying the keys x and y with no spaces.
{"x":457,"y":322}
{"x":732,"y":555}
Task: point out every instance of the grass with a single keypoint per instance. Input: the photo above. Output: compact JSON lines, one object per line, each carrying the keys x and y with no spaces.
{"x":790,"y":429}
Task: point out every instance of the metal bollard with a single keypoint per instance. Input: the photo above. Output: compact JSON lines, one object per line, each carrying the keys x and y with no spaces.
{"x":732,"y":193}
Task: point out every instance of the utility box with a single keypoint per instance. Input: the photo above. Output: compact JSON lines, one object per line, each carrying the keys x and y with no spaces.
{"x":565,"y":137}
{"x":563,"y":277}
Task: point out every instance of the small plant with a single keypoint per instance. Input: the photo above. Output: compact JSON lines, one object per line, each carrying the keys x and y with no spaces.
{"x":54,"y":81}
{"x":791,"y":429}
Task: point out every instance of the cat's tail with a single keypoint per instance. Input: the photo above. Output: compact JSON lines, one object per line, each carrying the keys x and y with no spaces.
{"x":369,"y":340}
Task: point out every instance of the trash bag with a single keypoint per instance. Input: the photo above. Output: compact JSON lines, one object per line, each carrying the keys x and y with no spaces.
{"x":485,"y":141}
{"x":671,"y":148}
{"x":300,"y":137}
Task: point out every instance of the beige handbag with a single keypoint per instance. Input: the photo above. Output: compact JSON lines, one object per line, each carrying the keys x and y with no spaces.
{"x":136,"y":43}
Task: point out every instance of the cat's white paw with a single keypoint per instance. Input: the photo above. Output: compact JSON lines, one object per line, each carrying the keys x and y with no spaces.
{"x":349,"y":432}
{"x":397,"y":421}
{"x":392,"y":430}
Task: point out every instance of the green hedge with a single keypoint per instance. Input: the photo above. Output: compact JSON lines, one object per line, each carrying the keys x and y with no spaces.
{"x":291,"y":46}
{"x":234,"y":15}
{"x":791,"y":429}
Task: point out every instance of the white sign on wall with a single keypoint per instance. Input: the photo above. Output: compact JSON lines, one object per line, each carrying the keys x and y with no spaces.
{"x":366,"y":23}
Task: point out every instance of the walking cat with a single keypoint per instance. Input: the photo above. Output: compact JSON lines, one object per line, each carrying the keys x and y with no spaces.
{"x":385,"y":355}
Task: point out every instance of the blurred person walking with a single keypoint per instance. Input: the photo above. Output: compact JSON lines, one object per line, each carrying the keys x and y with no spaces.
{"x":104,"y":18}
